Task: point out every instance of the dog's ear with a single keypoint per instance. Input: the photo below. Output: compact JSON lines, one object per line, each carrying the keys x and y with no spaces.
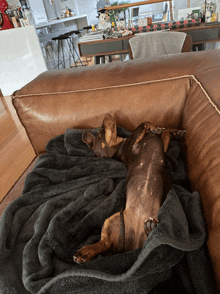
{"x":110,"y":127}
{"x":165,"y":137}
{"x":89,"y":139}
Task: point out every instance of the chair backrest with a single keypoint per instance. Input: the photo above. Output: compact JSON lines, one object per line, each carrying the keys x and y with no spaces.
{"x":146,"y":45}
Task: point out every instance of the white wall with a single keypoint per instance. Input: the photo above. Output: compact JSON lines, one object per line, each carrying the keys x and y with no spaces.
{"x":88,"y":7}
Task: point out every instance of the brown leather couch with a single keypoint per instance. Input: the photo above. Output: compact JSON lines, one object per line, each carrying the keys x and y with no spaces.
{"x":181,"y":91}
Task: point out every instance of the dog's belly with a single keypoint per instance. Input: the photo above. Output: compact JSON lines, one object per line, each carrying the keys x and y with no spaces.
{"x":145,"y":196}
{"x":145,"y":178}
{"x":144,"y":199}
{"x":135,"y":235}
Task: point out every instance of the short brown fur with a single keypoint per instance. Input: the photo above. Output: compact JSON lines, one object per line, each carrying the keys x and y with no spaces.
{"x":147,"y":185}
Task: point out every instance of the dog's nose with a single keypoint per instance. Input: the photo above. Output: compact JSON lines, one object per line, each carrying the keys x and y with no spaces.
{"x":98,"y":154}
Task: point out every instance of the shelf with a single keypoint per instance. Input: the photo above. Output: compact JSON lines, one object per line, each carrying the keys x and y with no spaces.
{"x":133,"y":4}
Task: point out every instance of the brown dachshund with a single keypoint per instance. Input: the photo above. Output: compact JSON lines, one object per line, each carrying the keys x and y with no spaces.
{"x":147,"y":184}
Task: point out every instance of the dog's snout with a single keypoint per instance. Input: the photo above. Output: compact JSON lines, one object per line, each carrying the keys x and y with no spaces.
{"x":98,"y":154}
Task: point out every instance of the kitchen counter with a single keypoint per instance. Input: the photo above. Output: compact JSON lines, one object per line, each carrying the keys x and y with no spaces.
{"x":78,"y":18}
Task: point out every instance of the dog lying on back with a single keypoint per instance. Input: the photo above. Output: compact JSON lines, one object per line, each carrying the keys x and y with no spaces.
{"x":147,"y":184}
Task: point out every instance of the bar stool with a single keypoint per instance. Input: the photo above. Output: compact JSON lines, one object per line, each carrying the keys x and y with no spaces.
{"x":87,"y":28}
{"x":72,"y":48}
{"x":48,"y":50}
{"x":62,"y":40}
{"x":76,"y":32}
{"x":60,"y":45}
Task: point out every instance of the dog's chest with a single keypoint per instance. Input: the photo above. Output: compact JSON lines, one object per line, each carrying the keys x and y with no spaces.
{"x":145,"y":176}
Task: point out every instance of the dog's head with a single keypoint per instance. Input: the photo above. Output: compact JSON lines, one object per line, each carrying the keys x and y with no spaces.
{"x":106,"y":143}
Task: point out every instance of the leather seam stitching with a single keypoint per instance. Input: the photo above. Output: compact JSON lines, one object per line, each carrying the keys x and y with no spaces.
{"x":128,"y":85}
{"x":207,"y":96}
{"x":103,"y":88}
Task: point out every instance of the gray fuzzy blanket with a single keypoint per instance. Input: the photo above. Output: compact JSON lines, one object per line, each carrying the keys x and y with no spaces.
{"x":64,"y":203}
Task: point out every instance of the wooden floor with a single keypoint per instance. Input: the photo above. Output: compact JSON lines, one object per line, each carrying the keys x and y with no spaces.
{"x":16,"y":152}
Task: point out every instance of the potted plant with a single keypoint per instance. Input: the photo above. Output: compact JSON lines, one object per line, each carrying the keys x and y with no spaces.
{"x":114,"y":14}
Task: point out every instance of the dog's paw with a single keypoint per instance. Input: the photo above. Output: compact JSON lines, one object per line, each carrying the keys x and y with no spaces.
{"x":158,"y":130}
{"x":84,"y":255}
{"x":149,"y":225}
{"x":177,"y":134}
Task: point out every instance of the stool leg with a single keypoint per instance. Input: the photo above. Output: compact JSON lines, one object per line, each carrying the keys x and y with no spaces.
{"x":76,"y":52}
{"x":50,"y":60}
{"x":71,"y":52}
{"x":102,"y":59}
{"x":97,"y":59}
{"x":52,"y":50}
{"x":58,"y":65}
{"x":63,"y":54}
{"x":43,"y":48}
{"x":48,"y":55}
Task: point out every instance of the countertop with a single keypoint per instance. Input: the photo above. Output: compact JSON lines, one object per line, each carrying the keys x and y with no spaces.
{"x":57,"y":21}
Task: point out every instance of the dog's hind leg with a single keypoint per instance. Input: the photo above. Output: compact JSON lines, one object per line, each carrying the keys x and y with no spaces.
{"x":88,"y":252}
{"x":146,"y":126}
{"x":111,"y":240}
{"x":149,"y":225}
{"x":168,"y":134}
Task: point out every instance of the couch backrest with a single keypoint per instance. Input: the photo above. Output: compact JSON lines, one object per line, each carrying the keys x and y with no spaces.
{"x":78,"y":98}
{"x":47,"y":115}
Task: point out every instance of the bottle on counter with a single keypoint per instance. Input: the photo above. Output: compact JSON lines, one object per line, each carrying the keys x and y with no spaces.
{"x":204,"y":12}
{"x":113,"y":26}
{"x":29,"y":16}
{"x":93,"y":27}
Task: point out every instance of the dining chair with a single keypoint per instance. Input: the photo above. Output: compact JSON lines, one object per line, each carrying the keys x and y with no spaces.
{"x":151,"y":44}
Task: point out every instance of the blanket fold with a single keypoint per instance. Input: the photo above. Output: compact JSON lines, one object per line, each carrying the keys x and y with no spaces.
{"x":65,"y":201}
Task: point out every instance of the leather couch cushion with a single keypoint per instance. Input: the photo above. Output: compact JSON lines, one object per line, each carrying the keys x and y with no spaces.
{"x":160,"y":101}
